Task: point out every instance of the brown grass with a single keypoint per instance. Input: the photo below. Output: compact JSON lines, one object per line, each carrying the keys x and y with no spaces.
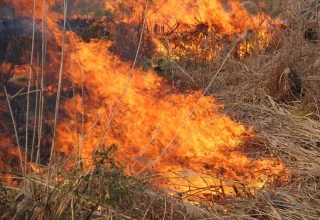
{"x":256,"y":91}
{"x":259,"y":91}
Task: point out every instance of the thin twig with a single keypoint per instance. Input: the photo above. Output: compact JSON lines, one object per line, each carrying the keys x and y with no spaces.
{"x":194,"y":108}
{"x":83,"y":139}
{"x":146,"y":147}
{"x":29,"y":86}
{"x":43,"y":60}
{"x":129,"y":79}
{"x":58,"y":94}
{"x":17,"y":139}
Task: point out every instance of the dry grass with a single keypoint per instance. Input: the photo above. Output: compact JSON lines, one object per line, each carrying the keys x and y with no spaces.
{"x":259,"y":91}
{"x":104,"y":192}
{"x":256,"y":91}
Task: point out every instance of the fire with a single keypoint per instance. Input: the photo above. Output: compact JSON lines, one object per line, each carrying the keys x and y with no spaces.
{"x":150,"y":115}
{"x":200,"y":27}
{"x":9,"y":158}
{"x":224,"y":16}
{"x":155,"y":127}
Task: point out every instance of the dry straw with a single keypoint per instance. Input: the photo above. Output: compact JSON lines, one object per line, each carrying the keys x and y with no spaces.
{"x":256,"y":91}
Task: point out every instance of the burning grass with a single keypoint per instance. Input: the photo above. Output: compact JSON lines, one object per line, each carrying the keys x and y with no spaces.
{"x":274,"y":90}
{"x":103,"y":192}
{"x":286,"y":124}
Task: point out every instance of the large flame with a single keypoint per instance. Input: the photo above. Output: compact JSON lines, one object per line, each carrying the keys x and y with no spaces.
{"x":149,"y":116}
{"x":152,"y":127}
{"x":229,"y":17}
{"x":199,"y":26}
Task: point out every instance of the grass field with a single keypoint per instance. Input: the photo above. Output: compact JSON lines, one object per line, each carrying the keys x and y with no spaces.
{"x":83,"y":170}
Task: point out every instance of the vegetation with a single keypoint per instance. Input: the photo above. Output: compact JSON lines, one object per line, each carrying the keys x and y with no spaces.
{"x":275,"y":91}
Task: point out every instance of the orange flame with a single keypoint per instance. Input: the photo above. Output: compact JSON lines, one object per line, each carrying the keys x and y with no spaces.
{"x":229,"y":18}
{"x":151,"y":113}
{"x":149,"y":116}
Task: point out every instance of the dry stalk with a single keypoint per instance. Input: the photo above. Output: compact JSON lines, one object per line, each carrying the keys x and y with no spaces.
{"x":146,"y":147}
{"x":58,"y":93}
{"x":129,"y":79}
{"x":17,"y":140}
{"x":29,"y":85}
{"x":43,"y":61}
{"x":192,"y":111}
